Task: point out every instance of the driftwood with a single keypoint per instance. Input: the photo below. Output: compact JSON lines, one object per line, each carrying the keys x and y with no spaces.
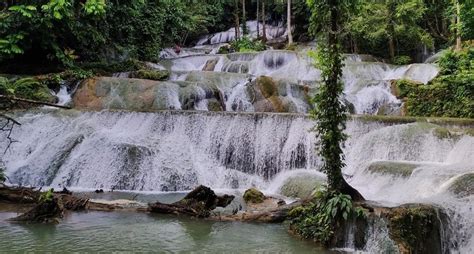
{"x":274,"y":215}
{"x":19,"y":195}
{"x":199,"y":202}
{"x":44,"y":212}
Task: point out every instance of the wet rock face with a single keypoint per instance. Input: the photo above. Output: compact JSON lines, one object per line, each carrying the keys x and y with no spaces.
{"x":412,"y":228}
{"x":416,"y":228}
{"x":301,"y":186}
{"x":463,"y":186}
{"x":393,"y":168}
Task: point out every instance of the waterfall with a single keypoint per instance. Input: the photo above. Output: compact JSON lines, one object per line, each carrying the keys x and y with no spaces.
{"x":177,"y":150}
{"x":273,"y":32}
{"x":368,"y":83}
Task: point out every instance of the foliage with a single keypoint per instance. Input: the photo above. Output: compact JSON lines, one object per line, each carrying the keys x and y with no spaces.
{"x":2,"y":174}
{"x":329,"y":111}
{"x":391,"y":22}
{"x":246,"y":44}
{"x":27,"y":88}
{"x":318,"y":219}
{"x":402,"y":60}
{"x":46,"y":196}
{"x":69,"y":31}
{"x":449,"y":95}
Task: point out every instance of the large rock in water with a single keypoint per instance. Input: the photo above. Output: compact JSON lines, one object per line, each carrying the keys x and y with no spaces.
{"x":253,"y":195}
{"x":301,"y":186}
{"x":412,"y":228}
{"x":463,"y":185}
{"x":393,"y":168}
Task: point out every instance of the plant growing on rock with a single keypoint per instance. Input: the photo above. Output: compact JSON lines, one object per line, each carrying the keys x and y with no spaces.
{"x":319,"y":219}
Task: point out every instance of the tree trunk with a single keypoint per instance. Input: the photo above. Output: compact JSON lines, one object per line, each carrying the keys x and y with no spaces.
{"x":391,"y":48}
{"x":333,"y":162}
{"x":264,"y":20}
{"x":458,"y":26}
{"x":258,"y":19}
{"x":244,"y":19}
{"x":288,"y":23}
{"x":236,"y":19}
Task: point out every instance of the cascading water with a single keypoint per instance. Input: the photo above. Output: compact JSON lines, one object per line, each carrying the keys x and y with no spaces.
{"x":173,"y":150}
{"x":368,"y":83}
{"x":272,"y":32}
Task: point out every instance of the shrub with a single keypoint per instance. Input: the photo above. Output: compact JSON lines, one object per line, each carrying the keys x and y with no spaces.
{"x":402,"y":60}
{"x":245,"y":44}
{"x":449,"y":95}
{"x":316,"y":220}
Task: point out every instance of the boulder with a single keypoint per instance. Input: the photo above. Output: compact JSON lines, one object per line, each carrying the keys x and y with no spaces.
{"x":416,"y":228}
{"x":301,"y":186}
{"x":393,"y":168}
{"x":463,"y":185}
{"x":254,"y":196}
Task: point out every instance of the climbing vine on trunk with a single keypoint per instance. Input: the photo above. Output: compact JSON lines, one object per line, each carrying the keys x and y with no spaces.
{"x":329,"y":111}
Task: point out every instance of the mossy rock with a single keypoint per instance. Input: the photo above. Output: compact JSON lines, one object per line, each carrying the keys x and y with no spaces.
{"x":267,"y":86}
{"x":254,"y":196}
{"x":394,"y":168}
{"x":158,"y":75}
{"x":301,"y":186}
{"x":416,"y":228}
{"x":463,"y":186}
{"x":214,"y":105}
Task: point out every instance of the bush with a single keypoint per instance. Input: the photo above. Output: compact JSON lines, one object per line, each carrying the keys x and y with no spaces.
{"x":402,"y":60}
{"x":449,"y":95}
{"x":26,"y":88}
{"x":245,"y":44}
{"x":317,"y":220}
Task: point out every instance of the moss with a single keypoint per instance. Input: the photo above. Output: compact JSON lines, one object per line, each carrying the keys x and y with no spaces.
{"x":291,"y":47}
{"x":442,"y":133}
{"x":267,"y":86}
{"x":414,"y":227}
{"x":392,"y":168}
{"x":159,"y":75}
{"x":214,"y":105}
{"x":253,"y":195}
{"x":443,"y":121}
{"x":463,"y":186}
{"x":108,"y":68}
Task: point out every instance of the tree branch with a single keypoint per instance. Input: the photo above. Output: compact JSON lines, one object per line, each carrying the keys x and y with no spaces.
{"x":33,"y":101}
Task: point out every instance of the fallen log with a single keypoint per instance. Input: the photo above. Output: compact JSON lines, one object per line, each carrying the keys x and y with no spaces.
{"x":19,"y":195}
{"x":12,"y":98}
{"x":199,"y":203}
{"x":273,"y":215}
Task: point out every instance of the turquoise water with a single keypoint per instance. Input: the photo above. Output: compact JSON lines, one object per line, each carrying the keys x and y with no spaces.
{"x":106,"y":232}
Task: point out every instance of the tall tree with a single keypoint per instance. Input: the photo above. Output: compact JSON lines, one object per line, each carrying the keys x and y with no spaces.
{"x":244,"y":18}
{"x":264,"y":20}
{"x":236,"y":20}
{"x":288,"y":23}
{"x":327,"y":20}
{"x":457,"y":24}
{"x":390,"y":21}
